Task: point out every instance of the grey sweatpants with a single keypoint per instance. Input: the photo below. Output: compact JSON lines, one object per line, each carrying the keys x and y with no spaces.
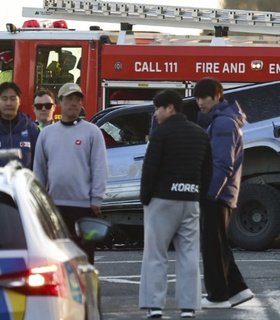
{"x":164,"y":221}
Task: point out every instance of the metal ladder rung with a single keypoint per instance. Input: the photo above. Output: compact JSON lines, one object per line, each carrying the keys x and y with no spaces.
{"x":184,"y":17}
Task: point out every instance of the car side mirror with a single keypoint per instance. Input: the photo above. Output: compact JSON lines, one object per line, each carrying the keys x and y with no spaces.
{"x":93,"y":229}
{"x":276,"y":130}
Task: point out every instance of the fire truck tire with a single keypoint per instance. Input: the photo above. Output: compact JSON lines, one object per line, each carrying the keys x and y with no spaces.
{"x":255,"y":223}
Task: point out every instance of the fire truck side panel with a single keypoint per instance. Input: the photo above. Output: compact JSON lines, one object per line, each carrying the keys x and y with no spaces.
{"x":190,"y":63}
{"x":91,"y":78}
{"x":24,"y":71}
{"x":35,"y":68}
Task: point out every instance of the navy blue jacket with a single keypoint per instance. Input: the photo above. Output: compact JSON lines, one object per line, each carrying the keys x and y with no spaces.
{"x":19,"y":133}
{"x":224,"y":125}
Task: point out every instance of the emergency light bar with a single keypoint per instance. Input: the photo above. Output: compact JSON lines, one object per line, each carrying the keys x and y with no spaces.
{"x":61,"y":24}
{"x":38,"y":25}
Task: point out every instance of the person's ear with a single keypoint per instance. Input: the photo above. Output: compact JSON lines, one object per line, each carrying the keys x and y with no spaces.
{"x":171,"y":108}
{"x":218,"y":96}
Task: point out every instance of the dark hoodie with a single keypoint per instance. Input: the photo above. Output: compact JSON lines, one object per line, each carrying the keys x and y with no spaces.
{"x":22,"y":133}
{"x":223,"y":125}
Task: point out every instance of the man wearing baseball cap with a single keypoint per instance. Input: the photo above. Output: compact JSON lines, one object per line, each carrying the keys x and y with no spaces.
{"x":70,"y":160}
{"x":69,"y":89}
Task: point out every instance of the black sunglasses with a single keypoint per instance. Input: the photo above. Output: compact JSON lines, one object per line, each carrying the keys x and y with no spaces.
{"x":39,"y":106}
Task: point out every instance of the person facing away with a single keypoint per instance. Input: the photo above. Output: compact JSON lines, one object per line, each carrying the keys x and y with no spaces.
{"x":7,"y":65}
{"x":176,"y":174}
{"x":44,"y":107}
{"x":17,"y":130}
{"x":224,"y":284}
{"x":71,"y":162}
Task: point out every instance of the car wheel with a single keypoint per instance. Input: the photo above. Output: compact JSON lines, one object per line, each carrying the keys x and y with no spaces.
{"x":256,"y":222}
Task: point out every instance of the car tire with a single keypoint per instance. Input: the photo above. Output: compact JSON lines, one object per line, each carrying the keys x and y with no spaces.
{"x":255,"y":223}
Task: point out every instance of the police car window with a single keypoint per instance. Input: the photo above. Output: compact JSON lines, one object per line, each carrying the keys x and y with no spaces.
{"x":259,"y":103}
{"x":11,"y":231}
{"x":47,"y":213}
{"x":57,"y":65}
{"x":127,"y":129}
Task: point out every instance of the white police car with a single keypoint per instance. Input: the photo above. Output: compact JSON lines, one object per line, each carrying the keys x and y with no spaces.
{"x":43,"y":274}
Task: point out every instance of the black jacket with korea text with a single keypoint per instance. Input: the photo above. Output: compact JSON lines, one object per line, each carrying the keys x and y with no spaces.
{"x":178,"y":162}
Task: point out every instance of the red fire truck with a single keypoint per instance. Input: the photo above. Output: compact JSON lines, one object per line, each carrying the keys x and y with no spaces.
{"x":129,"y":67}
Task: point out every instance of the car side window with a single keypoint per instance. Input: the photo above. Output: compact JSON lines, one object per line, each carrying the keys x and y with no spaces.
{"x":260,"y":103}
{"x":127,"y":129}
{"x":47,"y":212}
{"x":11,"y":230}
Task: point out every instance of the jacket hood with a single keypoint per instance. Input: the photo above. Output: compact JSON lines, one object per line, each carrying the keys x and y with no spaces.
{"x":225,"y":108}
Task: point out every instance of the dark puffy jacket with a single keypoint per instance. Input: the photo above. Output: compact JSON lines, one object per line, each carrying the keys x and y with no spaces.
{"x":21,"y":133}
{"x":178,"y":162}
{"x":224,"y":128}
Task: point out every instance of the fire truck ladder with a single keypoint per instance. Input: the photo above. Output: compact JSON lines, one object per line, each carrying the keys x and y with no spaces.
{"x":144,"y":14}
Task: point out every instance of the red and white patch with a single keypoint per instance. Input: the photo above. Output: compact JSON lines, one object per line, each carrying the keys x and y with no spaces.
{"x":25,"y":144}
{"x":78,"y":142}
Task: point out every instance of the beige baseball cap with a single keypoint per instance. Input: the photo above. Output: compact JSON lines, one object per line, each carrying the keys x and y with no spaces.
{"x":70,"y":88}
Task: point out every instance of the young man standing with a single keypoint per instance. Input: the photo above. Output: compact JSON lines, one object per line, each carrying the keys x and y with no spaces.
{"x":224,"y":284}
{"x":71,"y":161}
{"x":44,"y":107}
{"x":17,"y":129}
{"x":176,"y":175}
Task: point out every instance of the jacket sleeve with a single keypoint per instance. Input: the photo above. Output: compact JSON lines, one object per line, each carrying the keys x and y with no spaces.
{"x":40,"y":162}
{"x":99,"y":168}
{"x":223,"y":140}
{"x":151,"y":169}
{"x":34,"y":136}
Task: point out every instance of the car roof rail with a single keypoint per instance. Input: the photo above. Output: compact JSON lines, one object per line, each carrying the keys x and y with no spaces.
{"x":10,"y":154}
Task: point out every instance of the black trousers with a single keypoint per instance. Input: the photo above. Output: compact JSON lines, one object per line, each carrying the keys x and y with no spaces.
{"x":222,"y":278}
{"x":70,"y":215}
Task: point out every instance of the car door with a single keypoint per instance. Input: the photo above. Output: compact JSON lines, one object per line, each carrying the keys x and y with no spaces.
{"x":13,"y":259}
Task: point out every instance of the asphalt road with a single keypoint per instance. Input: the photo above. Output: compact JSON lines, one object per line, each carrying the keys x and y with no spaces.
{"x":120,"y":275}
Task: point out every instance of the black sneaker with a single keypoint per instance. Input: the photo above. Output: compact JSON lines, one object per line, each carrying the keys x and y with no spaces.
{"x":187,"y":313}
{"x":154,"y":313}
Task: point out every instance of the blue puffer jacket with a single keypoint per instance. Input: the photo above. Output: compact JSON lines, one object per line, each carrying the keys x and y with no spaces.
{"x":22,"y":134}
{"x":224,"y":125}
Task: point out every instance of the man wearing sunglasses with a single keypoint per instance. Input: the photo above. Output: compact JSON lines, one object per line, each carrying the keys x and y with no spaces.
{"x":44,"y":107}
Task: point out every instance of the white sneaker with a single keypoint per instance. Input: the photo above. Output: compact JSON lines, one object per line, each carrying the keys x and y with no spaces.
{"x":241,"y":297}
{"x":206,"y":304}
{"x":187,"y":313}
{"x":154,"y":313}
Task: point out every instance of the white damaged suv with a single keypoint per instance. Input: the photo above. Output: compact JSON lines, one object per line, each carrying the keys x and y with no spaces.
{"x":256,"y":222}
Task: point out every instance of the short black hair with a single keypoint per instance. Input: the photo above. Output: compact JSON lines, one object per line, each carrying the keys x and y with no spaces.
{"x":40,"y":93}
{"x":166,"y":97}
{"x":208,"y":87}
{"x":10,"y":85}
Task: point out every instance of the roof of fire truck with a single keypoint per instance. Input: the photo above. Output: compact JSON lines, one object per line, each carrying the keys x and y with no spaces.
{"x":266,"y":25}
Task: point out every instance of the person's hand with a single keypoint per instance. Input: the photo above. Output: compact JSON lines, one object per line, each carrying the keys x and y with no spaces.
{"x":96,"y":210}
